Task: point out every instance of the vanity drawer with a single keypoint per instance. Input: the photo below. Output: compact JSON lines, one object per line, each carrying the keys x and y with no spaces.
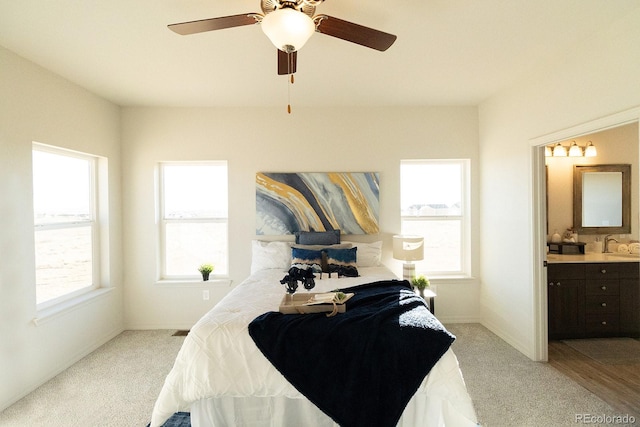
{"x":603,"y":287}
{"x":609,"y":270}
{"x":603,"y":325}
{"x":565,"y":271}
{"x":602,"y":304}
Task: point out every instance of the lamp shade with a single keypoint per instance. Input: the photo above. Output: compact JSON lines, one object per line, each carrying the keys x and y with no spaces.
{"x":408,"y":248}
{"x":590,"y":150}
{"x":575,"y":150}
{"x":559,"y":151}
{"x":288,"y":29}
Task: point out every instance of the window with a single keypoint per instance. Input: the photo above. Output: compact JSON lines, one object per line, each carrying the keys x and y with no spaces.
{"x":65,"y":227}
{"x":193,"y":219}
{"x":434,"y":204}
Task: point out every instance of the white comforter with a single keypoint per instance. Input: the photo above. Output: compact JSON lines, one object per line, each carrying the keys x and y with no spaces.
{"x":219,"y":358}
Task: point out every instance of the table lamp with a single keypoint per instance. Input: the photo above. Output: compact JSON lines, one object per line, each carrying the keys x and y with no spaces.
{"x":408,"y":249}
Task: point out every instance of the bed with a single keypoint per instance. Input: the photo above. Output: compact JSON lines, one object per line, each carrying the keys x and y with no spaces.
{"x":222,"y":378}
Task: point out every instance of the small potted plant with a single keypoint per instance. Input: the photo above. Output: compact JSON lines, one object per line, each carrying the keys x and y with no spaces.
{"x":205,"y":270}
{"x":421,"y":283}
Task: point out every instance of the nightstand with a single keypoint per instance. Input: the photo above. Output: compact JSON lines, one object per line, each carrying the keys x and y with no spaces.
{"x":430,"y":297}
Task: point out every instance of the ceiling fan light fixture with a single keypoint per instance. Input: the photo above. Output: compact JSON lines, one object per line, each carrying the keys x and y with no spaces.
{"x":288,"y":29}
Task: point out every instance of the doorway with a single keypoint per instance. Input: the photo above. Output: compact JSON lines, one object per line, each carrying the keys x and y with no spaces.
{"x":540,"y":220}
{"x":546,"y":222}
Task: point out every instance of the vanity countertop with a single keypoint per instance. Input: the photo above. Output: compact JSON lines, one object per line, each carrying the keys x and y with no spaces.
{"x":591,"y":257}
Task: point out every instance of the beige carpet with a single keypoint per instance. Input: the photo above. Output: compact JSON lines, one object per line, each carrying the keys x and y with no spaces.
{"x":608,"y":351}
{"x":509,"y":390}
{"x":117,"y":385}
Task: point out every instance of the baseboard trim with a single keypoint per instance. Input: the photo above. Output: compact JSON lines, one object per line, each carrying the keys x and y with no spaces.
{"x":457,"y":319}
{"x":507,"y":337}
{"x":158,"y":326}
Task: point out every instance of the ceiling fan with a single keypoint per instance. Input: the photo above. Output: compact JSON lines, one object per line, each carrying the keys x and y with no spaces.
{"x":289,"y":24}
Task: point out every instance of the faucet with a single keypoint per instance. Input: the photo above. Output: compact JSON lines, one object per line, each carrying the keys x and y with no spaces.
{"x":607,"y":239}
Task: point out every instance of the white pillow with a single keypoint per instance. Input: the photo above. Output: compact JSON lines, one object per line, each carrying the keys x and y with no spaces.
{"x":369,"y":254}
{"x":270,"y":255}
{"x":321,"y":247}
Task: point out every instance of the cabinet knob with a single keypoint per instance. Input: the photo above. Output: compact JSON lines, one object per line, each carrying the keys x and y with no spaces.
{"x":604,"y":288}
{"x":604,"y":304}
{"x":604,"y":322}
{"x":550,"y":283}
{"x":603,"y":271}
{"x":558,"y":284}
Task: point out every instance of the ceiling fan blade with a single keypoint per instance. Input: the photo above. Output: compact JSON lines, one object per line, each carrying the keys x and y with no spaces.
{"x":355,"y":33}
{"x":287,"y":62}
{"x":193,"y":27}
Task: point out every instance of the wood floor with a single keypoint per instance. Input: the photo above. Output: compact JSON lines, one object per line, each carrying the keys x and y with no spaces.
{"x":618,"y":385}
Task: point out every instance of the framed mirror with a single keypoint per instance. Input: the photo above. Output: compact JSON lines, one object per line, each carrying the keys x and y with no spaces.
{"x":602,"y":199}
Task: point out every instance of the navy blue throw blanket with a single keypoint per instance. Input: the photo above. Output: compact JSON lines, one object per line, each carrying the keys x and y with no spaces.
{"x":360,"y":367}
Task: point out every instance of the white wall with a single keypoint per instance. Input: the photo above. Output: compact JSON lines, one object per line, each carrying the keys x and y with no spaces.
{"x":36,"y":105}
{"x":596,"y":78}
{"x":253,"y":140}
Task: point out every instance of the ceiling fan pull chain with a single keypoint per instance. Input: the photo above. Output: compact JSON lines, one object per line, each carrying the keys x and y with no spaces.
{"x":289,"y":94}
{"x":289,"y":83}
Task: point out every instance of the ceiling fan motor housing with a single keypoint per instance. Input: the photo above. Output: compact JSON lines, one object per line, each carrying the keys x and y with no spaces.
{"x":308,"y":7}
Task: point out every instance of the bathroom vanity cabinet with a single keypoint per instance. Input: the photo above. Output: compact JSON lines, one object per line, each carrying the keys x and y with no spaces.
{"x":587,"y":300}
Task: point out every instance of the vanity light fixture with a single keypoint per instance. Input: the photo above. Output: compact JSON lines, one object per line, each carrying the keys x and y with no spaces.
{"x":558,"y":150}
{"x":590,"y":150}
{"x":575,"y":150}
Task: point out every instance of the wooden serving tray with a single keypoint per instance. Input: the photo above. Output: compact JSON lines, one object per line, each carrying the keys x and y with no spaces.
{"x":309,"y":302}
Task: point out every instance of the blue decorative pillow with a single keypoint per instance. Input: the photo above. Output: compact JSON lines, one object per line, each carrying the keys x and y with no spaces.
{"x":324,"y":265}
{"x":342,"y":261}
{"x":318,"y":237}
{"x":306,"y":257}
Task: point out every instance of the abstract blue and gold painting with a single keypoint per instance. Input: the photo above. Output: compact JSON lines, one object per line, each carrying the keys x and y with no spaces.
{"x":290,"y":202}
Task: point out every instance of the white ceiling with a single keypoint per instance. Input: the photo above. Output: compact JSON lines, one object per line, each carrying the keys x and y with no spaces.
{"x":448,"y":52}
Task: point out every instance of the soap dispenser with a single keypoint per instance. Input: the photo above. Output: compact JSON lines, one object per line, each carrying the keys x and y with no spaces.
{"x":597,"y":246}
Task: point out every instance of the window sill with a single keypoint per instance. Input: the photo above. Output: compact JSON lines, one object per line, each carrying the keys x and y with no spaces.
{"x":186,"y":283}
{"x":451,"y":278}
{"x":46,"y":314}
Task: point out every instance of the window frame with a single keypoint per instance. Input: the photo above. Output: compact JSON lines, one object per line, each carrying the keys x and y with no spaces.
{"x":163,"y":222}
{"x":93,"y":222}
{"x":464,"y":217}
